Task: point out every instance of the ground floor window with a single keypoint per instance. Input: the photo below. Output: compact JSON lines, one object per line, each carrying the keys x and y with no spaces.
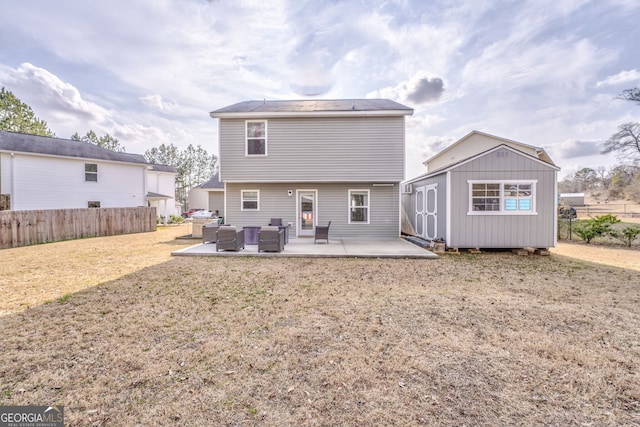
{"x":502,"y":197}
{"x":93,"y":204}
{"x":250,"y":200}
{"x":358,"y":206}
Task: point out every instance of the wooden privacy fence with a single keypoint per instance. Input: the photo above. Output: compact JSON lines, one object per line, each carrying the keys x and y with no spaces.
{"x":23,"y":228}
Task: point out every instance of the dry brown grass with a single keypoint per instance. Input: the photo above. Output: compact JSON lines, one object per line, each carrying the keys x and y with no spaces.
{"x":490,"y":339}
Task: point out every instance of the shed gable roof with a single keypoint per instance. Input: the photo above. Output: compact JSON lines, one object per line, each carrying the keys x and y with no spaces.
{"x":319,"y":107}
{"x":479,"y":155}
{"x":36,"y":144}
{"x":542,"y":154}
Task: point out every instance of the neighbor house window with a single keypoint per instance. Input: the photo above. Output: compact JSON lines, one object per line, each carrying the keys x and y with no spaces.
{"x":256,"y":138}
{"x":91,"y":172}
{"x":93,"y":204}
{"x":250,"y":200}
{"x":358,"y":206}
{"x":502,"y":197}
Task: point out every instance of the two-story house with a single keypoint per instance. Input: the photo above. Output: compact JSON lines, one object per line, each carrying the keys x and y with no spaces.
{"x":39,"y":172}
{"x":314,"y":161}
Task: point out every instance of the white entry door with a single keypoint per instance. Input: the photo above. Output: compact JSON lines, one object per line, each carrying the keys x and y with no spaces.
{"x":307,"y":208}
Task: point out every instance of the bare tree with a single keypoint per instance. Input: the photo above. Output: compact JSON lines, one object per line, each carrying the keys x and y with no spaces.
{"x":626,"y":142}
{"x":632,"y":95}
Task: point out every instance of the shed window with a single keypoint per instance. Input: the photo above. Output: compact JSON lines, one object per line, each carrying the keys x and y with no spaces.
{"x":358,"y":206}
{"x":502,"y":197}
{"x":91,"y":172}
{"x":250,"y":200}
{"x":93,"y":204}
{"x":256,"y":138}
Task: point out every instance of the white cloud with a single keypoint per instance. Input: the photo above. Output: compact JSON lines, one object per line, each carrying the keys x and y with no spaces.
{"x":627,"y":76}
{"x":56,"y":95}
{"x":419,"y":89}
{"x":158,"y":103}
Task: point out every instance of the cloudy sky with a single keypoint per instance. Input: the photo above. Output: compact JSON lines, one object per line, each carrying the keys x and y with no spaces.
{"x":542,"y":72}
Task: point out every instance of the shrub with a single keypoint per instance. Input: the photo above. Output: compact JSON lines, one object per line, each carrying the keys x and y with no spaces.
{"x":627,"y":235}
{"x":176,"y":219}
{"x":591,"y":228}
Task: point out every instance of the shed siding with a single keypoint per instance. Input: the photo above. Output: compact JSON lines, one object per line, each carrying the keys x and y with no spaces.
{"x":316,"y":149}
{"x":502,"y":231}
{"x":332,"y":205}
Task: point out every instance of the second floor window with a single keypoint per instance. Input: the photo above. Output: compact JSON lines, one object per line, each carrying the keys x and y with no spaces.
{"x":91,"y":172}
{"x":256,"y":138}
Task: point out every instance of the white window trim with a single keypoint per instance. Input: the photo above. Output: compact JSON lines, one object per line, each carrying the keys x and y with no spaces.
{"x":246,"y":138}
{"x":368,"y":206}
{"x":242,"y":208}
{"x":502,"y":211}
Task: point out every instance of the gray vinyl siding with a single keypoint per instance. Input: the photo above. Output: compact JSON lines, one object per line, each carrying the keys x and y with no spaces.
{"x":409,"y":204}
{"x":216,"y":202}
{"x":332,"y":205}
{"x":332,"y":149}
{"x":502,"y":231}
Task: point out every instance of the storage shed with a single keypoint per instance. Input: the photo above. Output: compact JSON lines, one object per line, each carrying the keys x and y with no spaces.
{"x":499,"y":198}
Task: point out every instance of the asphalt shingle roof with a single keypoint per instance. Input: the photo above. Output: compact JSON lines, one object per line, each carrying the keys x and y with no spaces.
{"x":25,"y":143}
{"x":313,"y":106}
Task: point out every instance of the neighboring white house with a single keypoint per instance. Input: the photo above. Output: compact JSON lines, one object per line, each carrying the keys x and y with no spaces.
{"x":161,"y":188}
{"x":38,"y":172}
{"x":208,"y":196}
{"x":309,"y":162}
{"x":484,"y":192}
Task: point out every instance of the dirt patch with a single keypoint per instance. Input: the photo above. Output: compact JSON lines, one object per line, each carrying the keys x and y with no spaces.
{"x":606,"y":255}
{"x":489,"y":339}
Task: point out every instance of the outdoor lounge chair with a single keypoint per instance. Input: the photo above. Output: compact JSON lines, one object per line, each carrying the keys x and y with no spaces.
{"x":229,"y":238}
{"x":209,"y":232}
{"x":322,"y":233}
{"x":271,"y":239}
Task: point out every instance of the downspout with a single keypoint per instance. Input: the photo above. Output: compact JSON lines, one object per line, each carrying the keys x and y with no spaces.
{"x":144,"y":187}
{"x":12,"y":186}
{"x":555,"y":209}
{"x":447,"y":202}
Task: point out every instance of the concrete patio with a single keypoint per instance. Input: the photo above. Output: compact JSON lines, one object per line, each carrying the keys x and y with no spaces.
{"x":336,"y":248}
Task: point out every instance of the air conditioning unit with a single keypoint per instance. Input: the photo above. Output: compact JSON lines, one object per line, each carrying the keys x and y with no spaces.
{"x":407,"y":188}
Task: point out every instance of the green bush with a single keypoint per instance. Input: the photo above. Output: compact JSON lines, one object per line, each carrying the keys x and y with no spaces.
{"x":591,"y":228}
{"x":176,"y":219}
{"x":627,"y":235}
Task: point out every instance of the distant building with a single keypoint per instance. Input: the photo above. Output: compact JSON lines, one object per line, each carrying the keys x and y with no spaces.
{"x":571,"y":199}
{"x":208,"y":196}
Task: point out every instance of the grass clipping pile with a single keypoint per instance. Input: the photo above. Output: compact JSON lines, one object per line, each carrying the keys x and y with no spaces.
{"x":490,"y":339}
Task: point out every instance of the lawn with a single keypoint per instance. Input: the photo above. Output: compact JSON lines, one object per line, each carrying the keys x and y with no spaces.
{"x":487,"y":339}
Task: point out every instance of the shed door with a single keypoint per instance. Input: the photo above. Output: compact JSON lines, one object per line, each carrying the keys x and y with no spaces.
{"x":431,"y":211}
{"x":420,"y":205}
